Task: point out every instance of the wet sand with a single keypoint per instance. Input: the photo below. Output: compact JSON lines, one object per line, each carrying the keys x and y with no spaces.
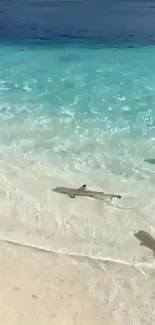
{"x":42,"y":288}
{"x":38,"y":287}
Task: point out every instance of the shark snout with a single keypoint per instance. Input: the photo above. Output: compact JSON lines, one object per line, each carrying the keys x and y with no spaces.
{"x":56,"y":189}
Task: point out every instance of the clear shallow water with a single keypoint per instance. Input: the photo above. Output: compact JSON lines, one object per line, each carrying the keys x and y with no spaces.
{"x":87,"y":107}
{"x":71,"y":114}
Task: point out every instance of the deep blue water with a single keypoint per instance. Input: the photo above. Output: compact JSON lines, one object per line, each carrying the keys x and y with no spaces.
{"x":110,"y":22}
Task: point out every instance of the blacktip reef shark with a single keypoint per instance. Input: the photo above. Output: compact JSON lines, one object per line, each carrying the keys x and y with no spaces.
{"x":146,"y":240}
{"x":150,"y":161}
{"x":82,"y":191}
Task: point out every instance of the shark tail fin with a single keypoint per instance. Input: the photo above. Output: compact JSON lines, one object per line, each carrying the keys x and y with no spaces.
{"x":83,"y":187}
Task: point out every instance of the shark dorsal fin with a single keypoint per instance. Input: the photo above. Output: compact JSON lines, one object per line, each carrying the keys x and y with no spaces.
{"x":83,"y":187}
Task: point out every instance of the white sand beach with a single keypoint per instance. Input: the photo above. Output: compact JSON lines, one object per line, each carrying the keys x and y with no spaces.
{"x":38,"y":287}
{"x":42,"y":288}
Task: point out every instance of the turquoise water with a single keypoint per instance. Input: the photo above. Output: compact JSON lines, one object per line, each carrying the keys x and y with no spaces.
{"x":69,"y":115}
{"x":88,"y":107}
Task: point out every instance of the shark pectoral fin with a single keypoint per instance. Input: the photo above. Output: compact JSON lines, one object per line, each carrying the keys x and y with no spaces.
{"x":83,"y":187}
{"x":142,"y":244}
{"x":72,"y":196}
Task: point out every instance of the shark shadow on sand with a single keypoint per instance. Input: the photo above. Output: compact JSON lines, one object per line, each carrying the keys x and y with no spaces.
{"x":146,"y":240}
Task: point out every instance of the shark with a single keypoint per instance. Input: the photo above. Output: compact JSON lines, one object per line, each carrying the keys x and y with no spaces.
{"x":82,"y":191}
{"x":146,"y":240}
{"x":150,"y":161}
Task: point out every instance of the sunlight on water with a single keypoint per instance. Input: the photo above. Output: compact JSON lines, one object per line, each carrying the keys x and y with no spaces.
{"x":72,"y":115}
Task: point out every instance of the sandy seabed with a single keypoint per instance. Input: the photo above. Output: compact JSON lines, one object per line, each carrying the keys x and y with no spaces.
{"x":90,"y":269}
